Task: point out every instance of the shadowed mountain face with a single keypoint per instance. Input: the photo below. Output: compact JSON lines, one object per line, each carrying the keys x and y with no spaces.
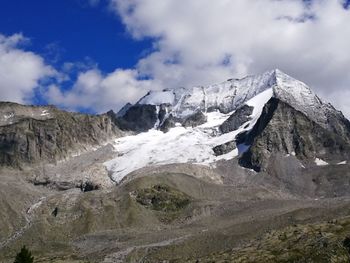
{"x":282,"y":130}
{"x":30,"y":134}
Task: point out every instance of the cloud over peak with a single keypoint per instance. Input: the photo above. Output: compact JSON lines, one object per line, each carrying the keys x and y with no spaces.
{"x":204,"y":41}
{"x":196,"y":42}
{"x":99,"y":92}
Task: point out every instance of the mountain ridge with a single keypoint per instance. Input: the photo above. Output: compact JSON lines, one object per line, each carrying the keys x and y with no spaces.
{"x":232,"y":94}
{"x":213,"y":171}
{"x":220,"y":117}
{"x":213,"y":124}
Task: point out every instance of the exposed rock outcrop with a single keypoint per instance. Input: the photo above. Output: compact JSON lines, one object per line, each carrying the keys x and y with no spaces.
{"x":142,"y":117}
{"x":195,"y":119}
{"x":338,"y":124}
{"x":283,"y":130}
{"x":169,"y":123}
{"x":123,"y":110}
{"x":138,"y":118}
{"x":224,"y":148}
{"x":237,"y":119}
{"x":46,"y":134}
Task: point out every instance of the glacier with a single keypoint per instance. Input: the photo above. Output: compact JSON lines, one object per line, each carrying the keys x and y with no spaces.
{"x":217,"y":102}
{"x":180,"y":144}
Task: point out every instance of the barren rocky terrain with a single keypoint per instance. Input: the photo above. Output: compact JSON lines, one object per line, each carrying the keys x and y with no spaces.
{"x":251,"y":170}
{"x":193,"y":218}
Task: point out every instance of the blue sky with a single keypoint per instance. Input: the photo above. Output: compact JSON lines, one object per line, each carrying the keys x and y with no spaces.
{"x":96,"y":55}
{"x":72,"y":30}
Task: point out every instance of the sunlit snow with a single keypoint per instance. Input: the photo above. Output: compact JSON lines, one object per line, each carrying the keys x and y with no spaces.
{"x":179,"y":144}
{"x":320,"y":162}
{"x":195,"y":145}
{"x":342,"y":163}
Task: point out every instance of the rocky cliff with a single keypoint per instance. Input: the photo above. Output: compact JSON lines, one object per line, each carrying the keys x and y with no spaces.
{"x":283,"y":130}
{"x":30,"y":134}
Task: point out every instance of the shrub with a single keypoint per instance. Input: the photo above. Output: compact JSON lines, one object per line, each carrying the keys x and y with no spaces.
{"x":24,"y":256}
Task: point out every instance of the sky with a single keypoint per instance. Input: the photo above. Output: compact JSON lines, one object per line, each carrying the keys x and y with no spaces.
{"x":97,"y":55}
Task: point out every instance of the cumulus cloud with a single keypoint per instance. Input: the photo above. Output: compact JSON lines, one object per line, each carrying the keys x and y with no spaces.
{"x":205,"y":41}
{"x":98,"y":92}
{"x":20,"y":71}
{"x":198,"y":42}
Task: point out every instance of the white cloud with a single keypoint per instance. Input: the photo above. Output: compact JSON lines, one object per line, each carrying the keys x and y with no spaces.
{"x":20,"y":70}
{"x":99,"y":92}
{"x":205,"y":41}
{"x":21,"y":73}
{"x":198,"y":42}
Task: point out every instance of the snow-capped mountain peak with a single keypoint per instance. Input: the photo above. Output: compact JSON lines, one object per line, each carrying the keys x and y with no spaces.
{"x":232,"y":94}
{"x":194,"y":118}
{"x":300,"y":96}
{"x":225,"y":96}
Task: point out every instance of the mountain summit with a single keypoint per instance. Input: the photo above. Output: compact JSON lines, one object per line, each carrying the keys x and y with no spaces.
{"x":232,"y":94}
{"x":253,"y":119}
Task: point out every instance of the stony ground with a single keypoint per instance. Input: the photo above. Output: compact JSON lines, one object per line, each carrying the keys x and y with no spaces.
{"x":318,"y":242}
{"x":179,"y":214}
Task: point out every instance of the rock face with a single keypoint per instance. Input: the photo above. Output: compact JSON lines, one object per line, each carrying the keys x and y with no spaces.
{"x":169,"y":123}
{"x":237,"y":119}
{"x":194,"y":120}
{"x":31,"y":134}
{"x":338,"y":124}
{"x":143,"y":117}
{"x":138,"y":118}
{"x":224,"y":148}
{"x":283,"y":130}
{"x":123,"y":110}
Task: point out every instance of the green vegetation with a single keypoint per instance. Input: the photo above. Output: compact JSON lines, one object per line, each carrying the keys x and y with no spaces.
{"x":24,"y":256}
{"x":162,"y":198}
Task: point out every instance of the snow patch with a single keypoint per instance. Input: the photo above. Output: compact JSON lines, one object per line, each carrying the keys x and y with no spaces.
{"x":9,"y":116}
{"x":158,"y":98}
{"x":214,"y":119}
{"x":45,"y":113}
{"x":320,"y":162}
{"x":342,"y":163}
{"x":156,"y":125}
{"x":258,"y":102}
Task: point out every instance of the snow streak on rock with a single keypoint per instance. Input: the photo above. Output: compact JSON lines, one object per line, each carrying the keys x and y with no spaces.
{"x":320,"y":162}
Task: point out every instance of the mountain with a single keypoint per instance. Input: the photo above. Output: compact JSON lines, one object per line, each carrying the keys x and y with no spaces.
{"x":42,"y":142}
{"x":254,"y":168}
{"x":30,"y":134}
{"x":254,"y":119}
{"x":228,"y":96}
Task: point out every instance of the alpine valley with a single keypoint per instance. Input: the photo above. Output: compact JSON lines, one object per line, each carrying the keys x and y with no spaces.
{"x":248,"y":170}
